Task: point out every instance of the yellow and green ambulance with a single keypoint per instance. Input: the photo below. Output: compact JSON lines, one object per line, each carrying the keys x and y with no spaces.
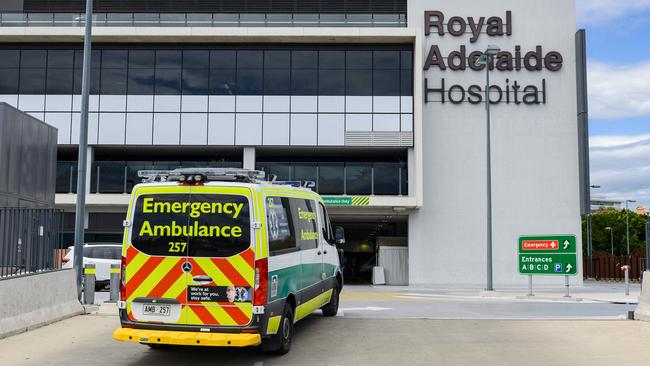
{"x":223,"y":257}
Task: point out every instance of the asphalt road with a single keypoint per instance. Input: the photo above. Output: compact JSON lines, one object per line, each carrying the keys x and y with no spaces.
{"x":383,"y":326}
{"x":86,"y":340}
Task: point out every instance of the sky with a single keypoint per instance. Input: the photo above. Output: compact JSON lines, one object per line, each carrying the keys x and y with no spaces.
{"x":618,"y":49}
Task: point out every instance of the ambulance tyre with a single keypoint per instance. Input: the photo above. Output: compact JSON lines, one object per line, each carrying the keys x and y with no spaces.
{"x":332,"y":307}
{"x":281,"y":342}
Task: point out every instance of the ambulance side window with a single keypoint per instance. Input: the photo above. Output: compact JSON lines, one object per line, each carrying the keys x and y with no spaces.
{"x":280,"y":226}
{"x":326,"y":228}
{"x":304,"y":217}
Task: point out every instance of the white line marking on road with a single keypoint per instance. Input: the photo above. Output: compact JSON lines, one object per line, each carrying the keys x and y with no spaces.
{"x":367,"y":308}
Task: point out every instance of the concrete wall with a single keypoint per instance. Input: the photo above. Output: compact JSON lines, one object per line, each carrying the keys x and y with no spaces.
{"x":535,"y":187}
{"x":32,"y":301}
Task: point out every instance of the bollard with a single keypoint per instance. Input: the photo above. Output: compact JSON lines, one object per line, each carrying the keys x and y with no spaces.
{"x":89,"y":284}
{"x":626,"y":270}
{"x":115,"y":283}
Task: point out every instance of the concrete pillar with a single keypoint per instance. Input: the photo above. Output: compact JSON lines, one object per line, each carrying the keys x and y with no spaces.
{"x":412,"y":167}
{"x":249,"y":157}
{"x":642,"y":311}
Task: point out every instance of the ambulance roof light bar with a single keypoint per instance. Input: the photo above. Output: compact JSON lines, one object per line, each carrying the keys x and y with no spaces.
{"x":297,"y":183}
{"x":199,"y":174}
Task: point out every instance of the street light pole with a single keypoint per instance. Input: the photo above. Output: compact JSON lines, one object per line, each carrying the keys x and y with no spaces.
{"x":627,"y":225}
{"x":486,"y":59}
{"x":590,"y":247}
{"x":80,"y":213}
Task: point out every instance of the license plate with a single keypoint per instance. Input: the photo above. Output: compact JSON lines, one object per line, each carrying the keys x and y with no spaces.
{"x":160,"y":310}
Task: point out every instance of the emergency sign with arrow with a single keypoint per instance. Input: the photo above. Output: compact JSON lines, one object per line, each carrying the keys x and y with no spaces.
{"x":547,"y":255}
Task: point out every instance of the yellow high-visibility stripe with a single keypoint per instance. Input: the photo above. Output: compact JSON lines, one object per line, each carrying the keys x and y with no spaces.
{"x":213,"y":271}
{"x":220,"y":314}
{"x":274,"y":325}
{"x":309,"y":306}
{"x":152,"y":279}
{"x":191,"y":317}
{"x":244,"y":269}
{"x":175,"y":290}
{"x":135,"y":264}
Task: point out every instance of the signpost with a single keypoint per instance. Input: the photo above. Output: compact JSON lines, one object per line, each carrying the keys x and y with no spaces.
{"x":547,"y":255}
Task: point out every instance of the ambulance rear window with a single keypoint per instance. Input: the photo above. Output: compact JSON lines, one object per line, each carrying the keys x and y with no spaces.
{"x":196,"y":225}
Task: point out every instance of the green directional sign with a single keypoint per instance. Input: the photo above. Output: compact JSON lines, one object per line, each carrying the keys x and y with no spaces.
{"x":346,"y":200}
{"x":548,"y":255}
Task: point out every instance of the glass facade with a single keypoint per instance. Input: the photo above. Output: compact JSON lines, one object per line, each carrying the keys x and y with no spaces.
{"x":238,"y":70}
{"x":121,"y":176}
{"x":379,"y":178}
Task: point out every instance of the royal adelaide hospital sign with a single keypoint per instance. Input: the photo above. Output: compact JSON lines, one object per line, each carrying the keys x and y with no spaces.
{"x":518,"y":59}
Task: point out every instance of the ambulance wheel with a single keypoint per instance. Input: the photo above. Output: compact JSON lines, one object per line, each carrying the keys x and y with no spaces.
{"x":281,"y":342}
{"x":332,"y":307}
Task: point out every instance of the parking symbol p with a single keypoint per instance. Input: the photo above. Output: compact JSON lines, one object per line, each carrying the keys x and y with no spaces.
{"x":558,"y":267}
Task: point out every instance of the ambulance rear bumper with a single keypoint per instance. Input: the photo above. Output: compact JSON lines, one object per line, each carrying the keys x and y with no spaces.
{"x":146,"y":336}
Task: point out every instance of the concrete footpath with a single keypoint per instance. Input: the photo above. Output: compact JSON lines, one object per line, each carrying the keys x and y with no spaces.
{"x":602,"y":292}
{"x":86,"y":340}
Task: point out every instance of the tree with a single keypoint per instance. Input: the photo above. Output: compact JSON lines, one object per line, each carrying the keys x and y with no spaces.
{"x":616,"y":220}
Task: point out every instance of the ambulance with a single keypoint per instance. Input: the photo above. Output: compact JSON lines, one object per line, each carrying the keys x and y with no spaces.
{"x":224,"y":257}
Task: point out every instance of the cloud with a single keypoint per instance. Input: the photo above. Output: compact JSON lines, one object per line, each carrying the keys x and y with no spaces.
{"x":621,"y":166}
{"x":594,"y":12}
{"x":618,"y":91}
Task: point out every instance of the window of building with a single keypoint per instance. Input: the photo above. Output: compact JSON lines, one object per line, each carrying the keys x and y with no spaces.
{"x":304,"y":82}
{"x":114,"y":59}
{"x":358,"y":178}
{"x":331,"y":59}
{"x":113,"y":81}
{"x":277,"y":82}
{"x":358,"y":82}
{"x":142,"y":59}
{"x":33,"y":58}
{"x":60,"y":59}
{"x":169,"y":59}
{"x":9,"y":80}
{"x":386,"y":178}
{"x":141,"y":81}
{"x":32,"y":81}
{"x":304,"y":59}
{"x":196,"y":59}
{"x":223,"y":59}
{"x":250,"y":81}
{"x":59,"y":81}
{"x":9,"y":58}
{"x":223,"y":81}
{"x":167,"y":81}
{"x":195,"y":81}
{"x":331,"y":178}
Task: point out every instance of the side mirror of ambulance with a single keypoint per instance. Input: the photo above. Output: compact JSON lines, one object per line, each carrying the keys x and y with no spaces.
{"x":339,"y":235}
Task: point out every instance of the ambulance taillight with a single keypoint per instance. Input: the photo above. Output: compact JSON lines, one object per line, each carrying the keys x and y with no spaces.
{"x":123,"y":279}
{"x":260,"y":294}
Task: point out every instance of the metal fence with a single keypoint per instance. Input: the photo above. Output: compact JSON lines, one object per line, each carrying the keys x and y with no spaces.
{"x":608,"y":267}
{"x":202,"y":20}
{"x":30,"y":240}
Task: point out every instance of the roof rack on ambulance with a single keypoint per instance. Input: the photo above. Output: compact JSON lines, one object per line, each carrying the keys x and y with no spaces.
{"x":202,"y":174}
